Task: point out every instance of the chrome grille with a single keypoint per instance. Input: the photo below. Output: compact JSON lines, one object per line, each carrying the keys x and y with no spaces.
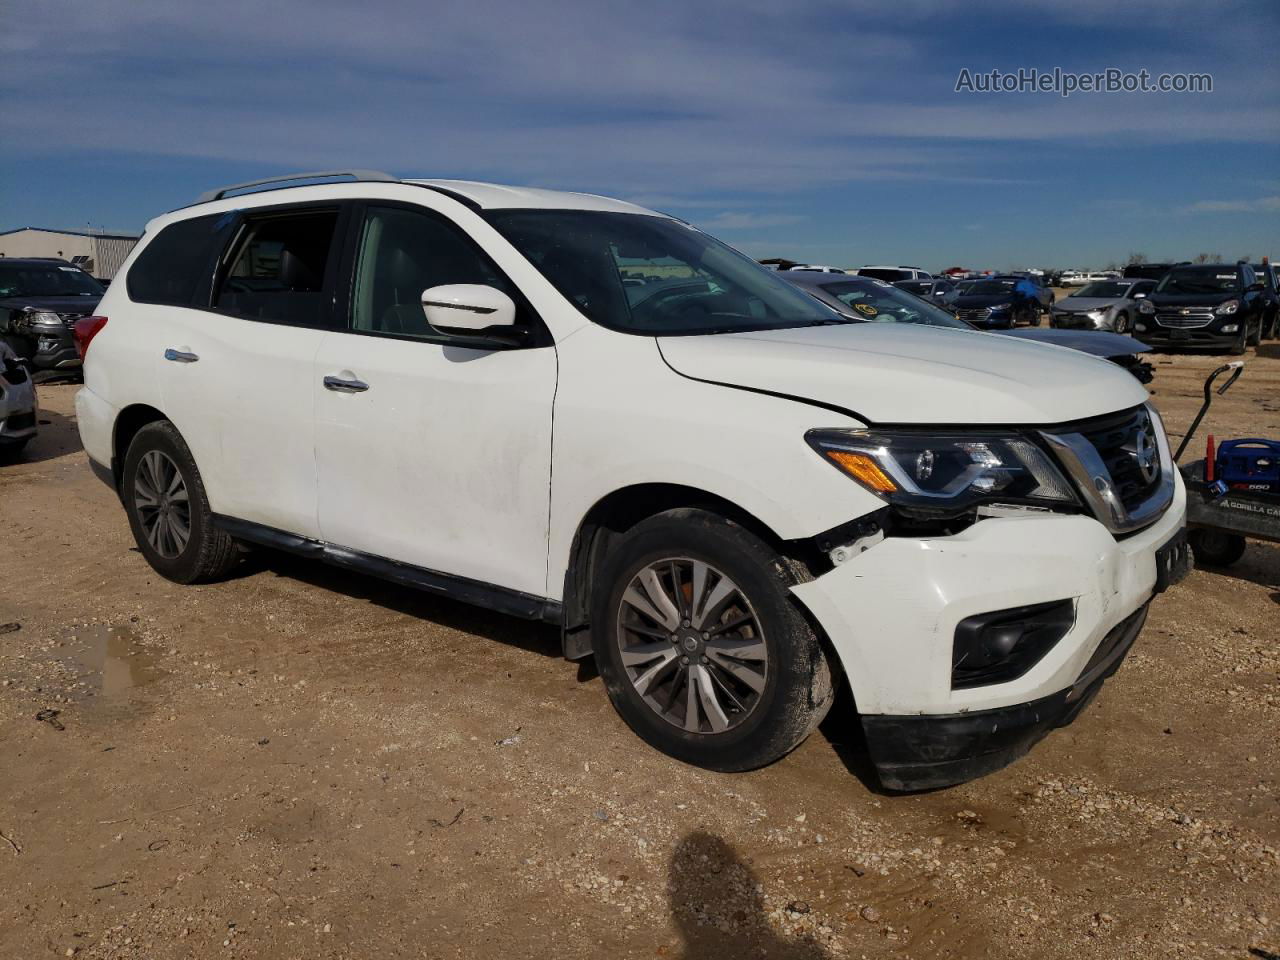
{"x":1185,"y":317}
{"x":1121,"y":465}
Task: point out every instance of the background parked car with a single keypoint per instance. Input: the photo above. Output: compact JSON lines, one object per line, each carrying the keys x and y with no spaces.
{"x":40,"y":302}
{"x":1102,"y":305}
{"x":893,"y":274}
{"x":1148,"y":271}
{"x":18,"y":405}
{"x":1219,"y":305}
{"x":874,"y":301}
{"x":1269,"y":277}
{"x":1005,"y":301}
{"x":939,"y":292}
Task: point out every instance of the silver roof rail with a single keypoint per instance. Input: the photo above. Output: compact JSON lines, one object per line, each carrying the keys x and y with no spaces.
{"x":371,"y":176}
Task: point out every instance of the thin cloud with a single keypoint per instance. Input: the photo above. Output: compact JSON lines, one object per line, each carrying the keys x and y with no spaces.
{"x":747,"y":221}
{"x":1260,"y":205}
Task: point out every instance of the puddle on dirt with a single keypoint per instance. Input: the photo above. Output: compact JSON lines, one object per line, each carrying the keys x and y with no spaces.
{"x":111,"y":660}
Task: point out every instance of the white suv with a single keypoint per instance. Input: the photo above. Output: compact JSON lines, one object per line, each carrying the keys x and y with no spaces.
{"x":573,"y":409}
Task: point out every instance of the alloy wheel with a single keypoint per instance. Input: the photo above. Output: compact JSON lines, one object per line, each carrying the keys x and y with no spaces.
{"x":164,"y":508}
{"x":692,"y":645}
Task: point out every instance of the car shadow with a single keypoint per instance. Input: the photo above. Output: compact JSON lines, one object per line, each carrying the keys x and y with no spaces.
{"x":1260,"y":564}
{"x":843,"y":731}
{"x":55,"y":437}
{"x":535,"y":637}
{"x":714,"y":898}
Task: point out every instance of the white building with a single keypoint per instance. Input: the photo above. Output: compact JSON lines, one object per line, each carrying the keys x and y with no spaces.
{"x":99,"y":254}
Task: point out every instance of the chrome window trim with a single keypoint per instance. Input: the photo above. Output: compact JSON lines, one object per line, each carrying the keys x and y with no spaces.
{"x":1092,"y":478}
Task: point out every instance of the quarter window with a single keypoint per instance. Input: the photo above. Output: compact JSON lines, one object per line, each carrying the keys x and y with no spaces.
{"x":170,"y":269}
{"x":277,"y":270}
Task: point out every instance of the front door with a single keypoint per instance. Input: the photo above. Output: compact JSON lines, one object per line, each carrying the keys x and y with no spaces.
{"x":430,"y":453}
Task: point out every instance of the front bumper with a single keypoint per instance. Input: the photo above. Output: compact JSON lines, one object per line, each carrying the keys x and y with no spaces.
{"x":1076,"y":321}
{"x":924,"y":752}
{"x":1203,"y":337}
{"x":891,"y":612}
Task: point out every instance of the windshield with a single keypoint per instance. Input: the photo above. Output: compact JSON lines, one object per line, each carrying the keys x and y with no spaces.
{"x":1105,"y":289}
{"x":652,"y":275}
{"x":982,"y":288}
{"x":1202,"y":280}
{"x":46,"y":280}
{"x":878,"y":302}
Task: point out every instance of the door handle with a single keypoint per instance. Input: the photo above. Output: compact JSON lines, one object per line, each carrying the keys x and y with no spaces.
{"x":338,"y":385}
{"x":180,"y":356}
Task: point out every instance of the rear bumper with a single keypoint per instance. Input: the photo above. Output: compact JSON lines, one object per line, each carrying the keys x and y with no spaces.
{"x":923,"y":752}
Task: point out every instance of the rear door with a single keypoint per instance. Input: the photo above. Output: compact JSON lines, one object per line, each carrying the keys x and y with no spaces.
{"x":432,"y":454}
{"x":236,"y":375}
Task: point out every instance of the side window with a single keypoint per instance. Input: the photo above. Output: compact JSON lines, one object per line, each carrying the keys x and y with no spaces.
{"x":276,"y":271}
{"x":171,"y":268}
{"x":401,"y":254}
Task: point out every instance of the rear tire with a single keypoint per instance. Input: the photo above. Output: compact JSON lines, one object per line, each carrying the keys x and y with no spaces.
{"x":721,"y":712}
{"x":168,"y":510}
{"x":12,"y":452}
{"x":1214,"y":548}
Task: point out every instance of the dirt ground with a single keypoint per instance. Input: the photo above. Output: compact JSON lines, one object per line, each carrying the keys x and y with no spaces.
{"x":306,"y":763}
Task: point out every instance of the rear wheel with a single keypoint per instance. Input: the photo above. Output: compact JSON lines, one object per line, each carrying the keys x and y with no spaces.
{"x":12,"y":452}
{"x":1214,"y":548}
{"x":702,"y":651}
{"x":169,"y":511}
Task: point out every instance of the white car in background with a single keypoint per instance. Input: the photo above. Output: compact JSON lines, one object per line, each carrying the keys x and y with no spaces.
{"x":892,"y":274}
{"x":729,"y":494}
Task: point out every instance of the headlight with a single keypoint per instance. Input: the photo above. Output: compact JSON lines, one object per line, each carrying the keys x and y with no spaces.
{"x":943,"y":471}
{"x":1147,"y":307}
{"x":1228,"y":308}
{"x":37,"y":318}
{"x":999,"y":308}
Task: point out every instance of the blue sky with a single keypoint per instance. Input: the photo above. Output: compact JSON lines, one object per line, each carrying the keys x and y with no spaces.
{"x":828,"y":132}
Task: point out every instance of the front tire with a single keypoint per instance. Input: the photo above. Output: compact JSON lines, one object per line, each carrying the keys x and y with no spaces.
{"x":1122,"y":323}
{"x":702,"y":650}
{"x":168,"y":510}
{"x":1256,"y":338}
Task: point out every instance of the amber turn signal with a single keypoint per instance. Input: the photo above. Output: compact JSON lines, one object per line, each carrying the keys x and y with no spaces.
{"x":863,"y":469}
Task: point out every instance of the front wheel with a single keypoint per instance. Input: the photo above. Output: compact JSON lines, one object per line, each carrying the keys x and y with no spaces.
{"x":1214,"y":548}
{"x":1256,"y":337}
{"x":1122,"y":323}
{"x":701,"y":647}
{"x":169,"y":511}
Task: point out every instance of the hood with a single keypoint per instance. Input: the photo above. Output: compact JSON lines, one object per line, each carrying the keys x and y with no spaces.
{"x":1194,"y":299}
{"x":1084,"y":304}
{"x":969,"y":302}
{"x":1096,"y":343}
{"x":907,"y":373}
{"x":52,"y":304}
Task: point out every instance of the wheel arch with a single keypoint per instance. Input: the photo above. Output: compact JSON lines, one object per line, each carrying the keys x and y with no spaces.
{"x":616,"y":513}
{"x":127,"y":424}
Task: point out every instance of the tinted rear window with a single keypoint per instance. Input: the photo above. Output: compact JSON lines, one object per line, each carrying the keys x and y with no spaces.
{"x":885,"y":273}
{"x":171,"y":267}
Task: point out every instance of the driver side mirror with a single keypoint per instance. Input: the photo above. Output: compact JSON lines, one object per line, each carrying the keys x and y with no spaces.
{"x":1254,"y":286}
{"x":470,"y":311}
